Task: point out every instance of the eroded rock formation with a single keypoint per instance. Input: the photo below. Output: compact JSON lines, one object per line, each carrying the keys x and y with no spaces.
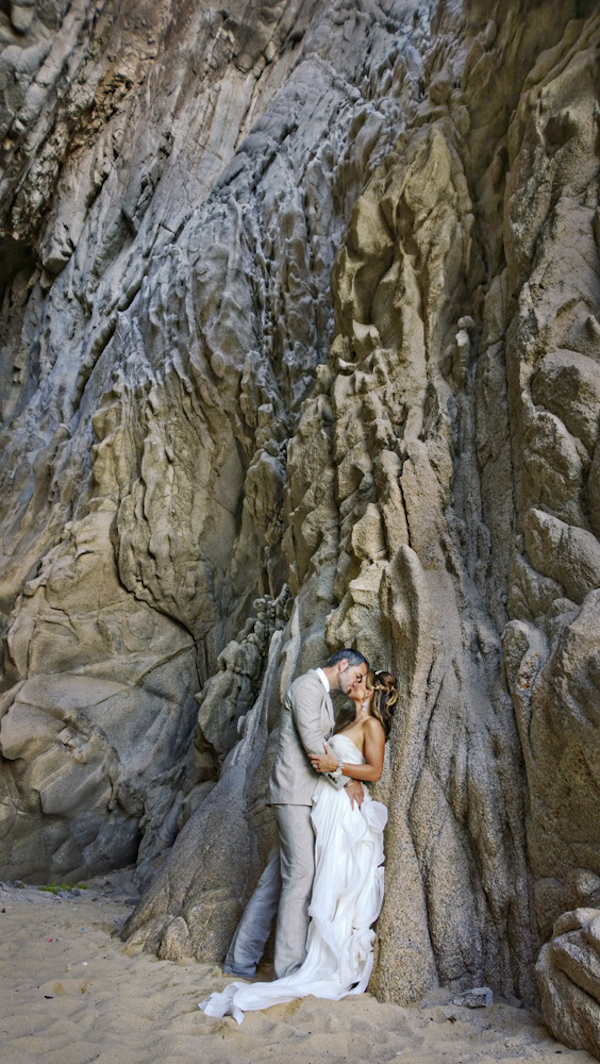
{"x":568,"y":971}
{"x":300,"y":347}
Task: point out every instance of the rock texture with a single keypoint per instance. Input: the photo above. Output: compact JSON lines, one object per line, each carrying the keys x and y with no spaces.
{"x":301,"y":348}
{"x":568,"y":972}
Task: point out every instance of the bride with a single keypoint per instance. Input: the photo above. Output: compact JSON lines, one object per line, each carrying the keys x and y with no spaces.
{"x":348,"y":885}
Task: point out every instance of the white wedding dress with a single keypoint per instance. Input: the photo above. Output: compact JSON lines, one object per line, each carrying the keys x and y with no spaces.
{"x":346,"y":900}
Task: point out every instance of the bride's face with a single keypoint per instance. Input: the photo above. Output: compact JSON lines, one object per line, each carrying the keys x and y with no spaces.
{"x":359,"y":692}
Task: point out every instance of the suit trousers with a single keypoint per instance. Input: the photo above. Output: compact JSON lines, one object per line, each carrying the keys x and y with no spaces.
{"x":297,"y":851}
{"x":248,"y":943}
{"x":284,"y":889}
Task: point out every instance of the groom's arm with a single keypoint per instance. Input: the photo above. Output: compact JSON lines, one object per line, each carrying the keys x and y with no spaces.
{"x":327,"y":765}
{"x":305,"y":705}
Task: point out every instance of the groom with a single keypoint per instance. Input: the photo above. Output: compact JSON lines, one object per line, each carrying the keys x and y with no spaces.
{"x":307,"y":720}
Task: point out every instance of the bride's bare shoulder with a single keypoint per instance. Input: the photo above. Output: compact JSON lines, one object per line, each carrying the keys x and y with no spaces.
{"x":374,"y":727}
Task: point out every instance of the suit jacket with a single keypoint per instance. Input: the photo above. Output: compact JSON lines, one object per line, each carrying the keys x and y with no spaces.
{"x":306,"y":721}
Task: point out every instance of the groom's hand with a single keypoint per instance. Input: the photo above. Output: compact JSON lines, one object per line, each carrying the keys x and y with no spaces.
{"x":330,"y":761}
{"x":355,"y":792}
{"x":326,"y":762}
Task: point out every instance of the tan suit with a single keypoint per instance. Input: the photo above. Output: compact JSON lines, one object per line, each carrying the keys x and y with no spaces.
{"x":285,"y":886}
{"x":306,"y":721}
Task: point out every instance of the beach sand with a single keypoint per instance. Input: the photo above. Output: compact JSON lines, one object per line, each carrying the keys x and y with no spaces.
{"x":72,"y":994}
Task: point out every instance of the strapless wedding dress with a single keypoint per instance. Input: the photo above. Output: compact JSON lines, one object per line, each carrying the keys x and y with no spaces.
{"x":346,"y":900}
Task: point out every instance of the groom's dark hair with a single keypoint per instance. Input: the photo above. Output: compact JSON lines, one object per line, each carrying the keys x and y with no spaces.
{"x":353,"y":657}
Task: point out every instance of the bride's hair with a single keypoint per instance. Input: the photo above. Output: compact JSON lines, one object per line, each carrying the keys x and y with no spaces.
{"x":385,"y":696}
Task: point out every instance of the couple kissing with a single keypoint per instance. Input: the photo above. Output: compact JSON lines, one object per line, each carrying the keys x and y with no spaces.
{"x":324,"y":881}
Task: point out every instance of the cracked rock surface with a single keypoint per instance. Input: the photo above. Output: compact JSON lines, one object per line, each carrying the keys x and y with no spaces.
{"x":300,"y":347}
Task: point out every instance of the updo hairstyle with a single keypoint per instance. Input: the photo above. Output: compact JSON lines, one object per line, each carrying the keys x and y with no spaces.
{"x":385,"y":696}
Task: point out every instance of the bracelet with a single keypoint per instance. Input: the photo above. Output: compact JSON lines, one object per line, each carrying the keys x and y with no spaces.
{"x":348,"y":783}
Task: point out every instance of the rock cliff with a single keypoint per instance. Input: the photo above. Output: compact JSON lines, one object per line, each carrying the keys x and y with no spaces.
{"x":300,"y":347}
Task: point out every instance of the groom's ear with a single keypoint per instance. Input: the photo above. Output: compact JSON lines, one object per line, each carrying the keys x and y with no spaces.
{"x":343,"y":664}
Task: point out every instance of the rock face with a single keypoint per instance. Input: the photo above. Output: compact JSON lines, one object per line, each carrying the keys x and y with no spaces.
{"x":300,"y":348}
{"x":568,"y":972}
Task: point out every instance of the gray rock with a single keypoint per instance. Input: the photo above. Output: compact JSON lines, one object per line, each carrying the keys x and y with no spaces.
{"x":480,"y":997}
{"x":568,"y":974}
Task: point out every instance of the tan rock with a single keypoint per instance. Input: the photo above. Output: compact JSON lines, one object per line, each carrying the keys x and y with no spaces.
{"x":568,"y":973}
{"x":568,"y":384}
{"x":567,"y":554}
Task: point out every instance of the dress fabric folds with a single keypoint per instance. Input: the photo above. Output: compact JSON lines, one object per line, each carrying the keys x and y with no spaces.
{"x":346,"y":900}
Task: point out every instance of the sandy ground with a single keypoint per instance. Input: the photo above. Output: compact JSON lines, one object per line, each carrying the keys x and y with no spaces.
{"x":71,"y":994}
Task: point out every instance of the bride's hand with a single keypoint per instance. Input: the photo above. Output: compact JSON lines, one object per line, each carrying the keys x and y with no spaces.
{"x":355,"y":792}
{"x":326,"y":762}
